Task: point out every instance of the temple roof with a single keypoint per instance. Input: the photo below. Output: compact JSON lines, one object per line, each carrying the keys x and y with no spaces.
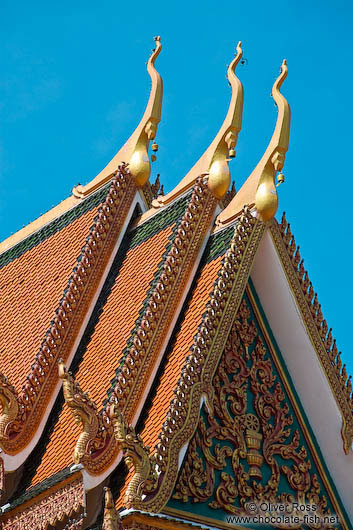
{"x":117,"y":310}
{"x":34,"y":274}
{"x":106,"y":337}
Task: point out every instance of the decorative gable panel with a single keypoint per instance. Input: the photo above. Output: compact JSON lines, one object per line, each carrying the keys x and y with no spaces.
{"x":252,"y":443}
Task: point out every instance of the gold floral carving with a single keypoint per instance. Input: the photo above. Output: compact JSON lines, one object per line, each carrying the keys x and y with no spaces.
{"x":111,"y":516}
{"x":9,"y":405}
{"x":320,"y":334}
{"x":163,"y":301}
{"x":197,"y":373}
{"x":49,"y":509}
{"x":17,"y":428}
{"x":229,"y":436}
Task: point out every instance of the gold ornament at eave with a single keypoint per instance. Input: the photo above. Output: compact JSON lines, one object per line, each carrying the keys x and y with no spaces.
{"x":260,"y":189}
{"x":135,"y":151}
{"x":214,"y":161}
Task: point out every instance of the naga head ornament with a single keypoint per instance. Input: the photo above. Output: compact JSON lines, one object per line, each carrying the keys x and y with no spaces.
{"x":214,"y":161}
{"x":260,"y":190}
{"x":135,"y":151}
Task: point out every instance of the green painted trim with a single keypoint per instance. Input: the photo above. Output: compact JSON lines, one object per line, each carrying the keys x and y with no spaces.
{"x":219,"y":243}
{"x":296,"y":397}
{"x":300,"y":423}
{"x":54,"y":226}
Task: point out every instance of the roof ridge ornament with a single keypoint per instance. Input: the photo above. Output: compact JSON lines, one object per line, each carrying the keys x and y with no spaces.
{"x":21,"y":413}
{"x":199,"y":366}
{"x":260,"y":189}
{"x":112,"y":519}
{"x":135,"y":151}
{"x":150,"y":334}
{"x":214,"y":161}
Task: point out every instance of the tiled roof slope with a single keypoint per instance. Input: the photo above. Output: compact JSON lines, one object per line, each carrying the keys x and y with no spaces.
{"x":118,"y":308}
{"x":157,"y":404}
{"x":33,"y":276}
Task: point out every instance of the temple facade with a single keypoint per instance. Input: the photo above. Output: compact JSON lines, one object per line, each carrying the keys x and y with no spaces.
{"x":165,"y":364}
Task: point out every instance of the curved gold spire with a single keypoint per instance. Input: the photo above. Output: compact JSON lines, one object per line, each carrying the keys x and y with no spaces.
{"x":215,"y":159}
{"x":135,"y":150}
{"x":260,"y":189}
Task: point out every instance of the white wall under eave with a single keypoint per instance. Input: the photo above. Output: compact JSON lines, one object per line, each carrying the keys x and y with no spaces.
{"x":303,"y":365}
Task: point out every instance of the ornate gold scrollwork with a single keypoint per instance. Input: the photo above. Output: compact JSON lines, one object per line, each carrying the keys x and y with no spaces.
{"x":318,"y":329}
{"x":245,"y":448}
{"x":151,"y":331}
{"x":253,"y":441}
{"x":10,"y":406}
{"x":197,"y":372}
{"x":48,"y":511}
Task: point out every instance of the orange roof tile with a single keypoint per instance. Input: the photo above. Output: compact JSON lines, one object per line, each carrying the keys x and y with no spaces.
{"x":31,"y":287}
{"x":179,"y":352}
{"x":176,"y":356}
{"x":103,"y":353}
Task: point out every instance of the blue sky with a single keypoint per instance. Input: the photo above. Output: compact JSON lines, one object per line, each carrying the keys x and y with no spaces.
{"x":73,"y":86}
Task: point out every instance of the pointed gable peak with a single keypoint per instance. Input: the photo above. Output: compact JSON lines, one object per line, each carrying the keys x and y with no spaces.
{"x":260,"y":189}
{"x":135,"y":151}
{"x":214,"y":161}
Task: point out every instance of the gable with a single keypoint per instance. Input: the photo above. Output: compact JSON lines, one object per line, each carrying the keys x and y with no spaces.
{"x":100,"y":352}
{"x":252,"y":441}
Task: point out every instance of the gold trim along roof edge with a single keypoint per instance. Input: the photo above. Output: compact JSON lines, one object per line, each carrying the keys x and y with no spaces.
{"x":146,"y":347}
{"x":207,"y":345}
{"x":318,"y":331}
{"x":22,"y":410}
{"x":52,"y":214}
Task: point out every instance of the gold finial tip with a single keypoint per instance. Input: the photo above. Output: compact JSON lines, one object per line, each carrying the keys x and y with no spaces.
{"x":284,"y":62}
{"x":158,"y":38}
{"x":235,"y":61}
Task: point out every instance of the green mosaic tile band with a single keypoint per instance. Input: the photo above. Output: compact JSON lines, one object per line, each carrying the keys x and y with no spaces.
{"x":54,"y":226}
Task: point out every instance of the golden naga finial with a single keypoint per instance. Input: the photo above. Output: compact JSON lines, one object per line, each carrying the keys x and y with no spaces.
{"x":260,"y":189}
{"x":135,"y":151}
{"x":214,"y":161}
